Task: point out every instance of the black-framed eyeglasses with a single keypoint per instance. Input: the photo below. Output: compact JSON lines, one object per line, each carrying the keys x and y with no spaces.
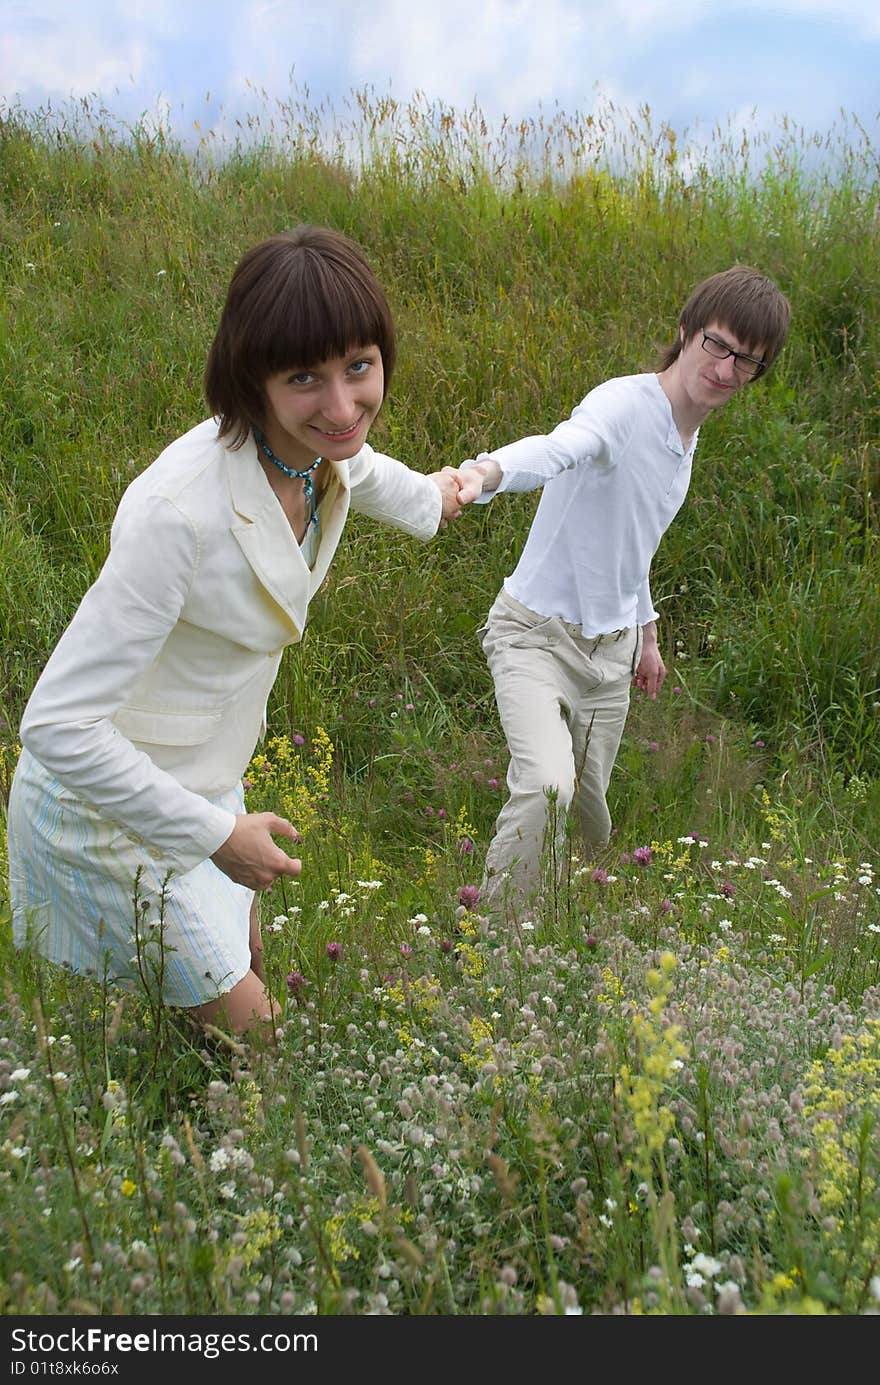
{"x":748,"y":366}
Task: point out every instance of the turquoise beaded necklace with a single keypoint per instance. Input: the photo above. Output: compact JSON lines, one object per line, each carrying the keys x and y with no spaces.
{"x":304,"y":475}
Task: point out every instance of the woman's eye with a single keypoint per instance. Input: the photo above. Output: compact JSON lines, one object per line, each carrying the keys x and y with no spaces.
{"x":360,"y":367}
{"x":302,"y":377}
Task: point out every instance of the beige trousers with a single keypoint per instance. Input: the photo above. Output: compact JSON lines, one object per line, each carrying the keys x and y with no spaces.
{"x":563,"y":701}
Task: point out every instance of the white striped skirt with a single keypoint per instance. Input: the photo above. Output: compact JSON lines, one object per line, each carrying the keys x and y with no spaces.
{"x":92,"y":897}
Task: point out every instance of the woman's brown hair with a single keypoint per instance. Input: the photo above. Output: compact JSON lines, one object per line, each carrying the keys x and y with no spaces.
{"x":295,"y":299}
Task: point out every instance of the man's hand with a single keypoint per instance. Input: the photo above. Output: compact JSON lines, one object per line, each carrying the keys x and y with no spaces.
{"x":457,"y":489}
{"x":483,"y":476}
{"x":250,"y":857}
{"x":460,"y":485}
{"x":651,"y":671}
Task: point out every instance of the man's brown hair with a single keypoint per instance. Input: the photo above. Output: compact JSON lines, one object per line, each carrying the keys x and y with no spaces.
{"x":295,"y":299}
{"x":744,"y":301}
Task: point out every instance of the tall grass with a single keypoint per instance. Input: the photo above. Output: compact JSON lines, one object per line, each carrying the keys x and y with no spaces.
{"x":456,"y":1119}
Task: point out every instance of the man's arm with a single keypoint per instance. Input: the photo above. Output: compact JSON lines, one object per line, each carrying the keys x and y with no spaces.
{"x":651,"y":671}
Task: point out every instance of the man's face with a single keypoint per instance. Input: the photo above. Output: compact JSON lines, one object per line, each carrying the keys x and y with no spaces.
{"x":709,"y":377}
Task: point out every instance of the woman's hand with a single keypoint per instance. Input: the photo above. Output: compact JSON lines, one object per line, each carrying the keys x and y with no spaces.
{"x":250,"y":857}
{"x":451,"y":483}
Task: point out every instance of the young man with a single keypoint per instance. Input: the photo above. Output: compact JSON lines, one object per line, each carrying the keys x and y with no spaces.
{"x":574,"y":624}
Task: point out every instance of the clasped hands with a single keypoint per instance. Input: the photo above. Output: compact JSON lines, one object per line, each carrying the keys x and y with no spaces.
{"x":458,"y":486}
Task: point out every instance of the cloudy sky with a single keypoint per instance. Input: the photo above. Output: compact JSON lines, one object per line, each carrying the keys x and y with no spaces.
{"x":695,"y":63}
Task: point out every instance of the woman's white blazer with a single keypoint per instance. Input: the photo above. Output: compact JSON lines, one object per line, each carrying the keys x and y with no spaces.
{"x":155,"y":696}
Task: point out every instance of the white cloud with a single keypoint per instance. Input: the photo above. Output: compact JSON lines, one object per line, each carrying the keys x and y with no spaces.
{"x":508,"y":56}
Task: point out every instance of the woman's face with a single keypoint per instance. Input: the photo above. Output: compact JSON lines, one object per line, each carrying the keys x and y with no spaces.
{"x":325,"y":410}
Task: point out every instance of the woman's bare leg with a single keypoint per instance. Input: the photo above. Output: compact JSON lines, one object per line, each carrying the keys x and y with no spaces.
{"x":246,"y":1005}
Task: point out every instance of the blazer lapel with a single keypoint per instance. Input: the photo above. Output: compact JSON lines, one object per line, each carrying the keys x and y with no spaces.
{"x":267,"y":541}
{"x":332,"y":514}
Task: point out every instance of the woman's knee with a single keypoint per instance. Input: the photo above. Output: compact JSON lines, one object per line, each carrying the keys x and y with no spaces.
{"x":247,"y":1004}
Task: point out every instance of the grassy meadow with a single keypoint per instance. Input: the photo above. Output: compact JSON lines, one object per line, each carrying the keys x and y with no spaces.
{"x":660,"y":1094}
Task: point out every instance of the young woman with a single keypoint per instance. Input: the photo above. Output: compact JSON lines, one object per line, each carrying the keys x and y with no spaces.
{"x":138,"y":731}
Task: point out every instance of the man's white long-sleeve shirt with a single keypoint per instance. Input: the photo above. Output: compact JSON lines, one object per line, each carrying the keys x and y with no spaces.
{"x":614,"y":476}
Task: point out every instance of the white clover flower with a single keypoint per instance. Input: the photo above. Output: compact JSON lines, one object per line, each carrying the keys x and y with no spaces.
{"x":219,"y":1161}
{"x":527,"y":926}
{"x":160,"y":273}
{"x":227,"y":1190}
{"x":707,"y":1265}
{"x":693,"y":1278}
{"x":725,"y":924}
{"x":19,"y":1074}
{"x":729,"y":1286}
{"x":424,"y":931}
{"x":370,"y":884}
